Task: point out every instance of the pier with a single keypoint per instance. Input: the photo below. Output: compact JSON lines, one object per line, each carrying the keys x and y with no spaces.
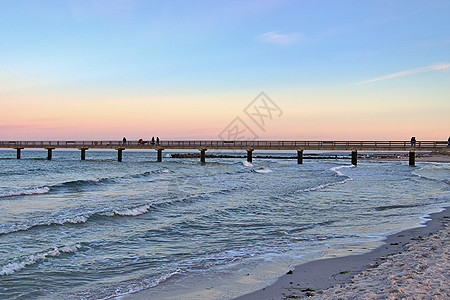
{"x":249,"y":146}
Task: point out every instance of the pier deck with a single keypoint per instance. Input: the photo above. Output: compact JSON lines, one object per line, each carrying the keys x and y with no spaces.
{"x":249,"y":146}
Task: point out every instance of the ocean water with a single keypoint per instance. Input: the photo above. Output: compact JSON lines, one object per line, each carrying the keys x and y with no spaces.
{"x":100,"y":229}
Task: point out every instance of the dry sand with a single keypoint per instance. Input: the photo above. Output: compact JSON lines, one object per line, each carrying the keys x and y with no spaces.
{"x":412,"y":264}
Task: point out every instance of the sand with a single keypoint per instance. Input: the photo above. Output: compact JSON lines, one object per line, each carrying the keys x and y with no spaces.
{"x":412,"y":264}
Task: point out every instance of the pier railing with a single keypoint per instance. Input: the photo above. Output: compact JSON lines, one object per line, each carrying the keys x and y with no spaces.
{"x":220,"y":144}
{"x":249,"y":146}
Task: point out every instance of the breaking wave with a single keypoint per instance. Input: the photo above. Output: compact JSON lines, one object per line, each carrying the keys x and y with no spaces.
{"x":247,"y":164}
{"x":262,"y":171}
{"x":34,"y":191}
{"x":20,"y":264}
{"x":131,"y":212}
{"x":325,"y":185}
{"x":128,"y":212}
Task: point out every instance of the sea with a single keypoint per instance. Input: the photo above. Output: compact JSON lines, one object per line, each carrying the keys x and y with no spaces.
{"x":180,"y":229}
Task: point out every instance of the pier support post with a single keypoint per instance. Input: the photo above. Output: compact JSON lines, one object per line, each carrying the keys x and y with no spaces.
{"x":354,"y":157}
{"x":299,"y":157}
{"x":18,"y":152}
{"x":412,"y":158}
{"x":119,"y":154}
{"x":159,"y":155}
{"x":83,"y":153}
{"x":202,"y":155}
{"x":249,"y":155}
{"x":49,"y":153}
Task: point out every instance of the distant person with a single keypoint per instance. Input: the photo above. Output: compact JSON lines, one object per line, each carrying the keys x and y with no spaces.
{"x":413,"y":141}
{"x":153,"y":140}
{"x":448,"y":142}
{"x":124,"y":141}
{"x":157,"y":140}
{"x":141,"y":142}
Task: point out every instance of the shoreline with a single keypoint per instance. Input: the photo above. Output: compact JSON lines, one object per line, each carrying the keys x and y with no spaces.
{"x":334,"y":275}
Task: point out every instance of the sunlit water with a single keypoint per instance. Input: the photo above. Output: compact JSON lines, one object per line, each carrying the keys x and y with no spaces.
{"x":98,"y":228}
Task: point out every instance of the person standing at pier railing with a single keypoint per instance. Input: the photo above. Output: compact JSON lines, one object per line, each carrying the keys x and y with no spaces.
{"x":413,"y":141}
{"x":124,"y":141}
{"x":157,"y":141}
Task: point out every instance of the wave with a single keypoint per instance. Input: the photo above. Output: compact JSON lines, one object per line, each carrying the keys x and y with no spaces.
{"x":14,"y":267}
{"x":387,"y":207}
{"x":36,"y":223}
{"x":78,"y":184}
{"x":142,"y":285}
{"x":442,"y":197}
{"x":247,"y":164}
{"x":83,"y":182}
{"x":336,"y":169}
{"x":33,"y":191}
{"x":129,"y":212}
{"x":262,"y":171}
{"x":325,"y":185}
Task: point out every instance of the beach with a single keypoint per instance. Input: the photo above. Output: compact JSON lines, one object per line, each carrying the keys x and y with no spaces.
{"x":412,"y":264}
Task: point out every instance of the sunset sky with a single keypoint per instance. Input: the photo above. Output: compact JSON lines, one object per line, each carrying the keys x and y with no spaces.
{"x":329,"y":70}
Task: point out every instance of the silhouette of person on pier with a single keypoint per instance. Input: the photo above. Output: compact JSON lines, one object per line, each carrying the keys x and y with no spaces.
{"x":153,"y":140}
{"x":413,"y":141}
{"x":448,"y":142}
{"x":124,"y":141}
{"x":157,"y":141}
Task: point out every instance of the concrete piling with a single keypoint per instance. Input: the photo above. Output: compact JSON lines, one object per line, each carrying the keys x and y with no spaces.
{"x":249,"y":155}
{"x":412,"y":158}
{"x":18,"y":152}
{"x":299,"y":157}
{"x":202,"y":155}
{"x":83,"y":153}
{"x":119,"y":154}
{"x":49,"y":153}
{"x":354,"y":157}
{"x":159,"y":155}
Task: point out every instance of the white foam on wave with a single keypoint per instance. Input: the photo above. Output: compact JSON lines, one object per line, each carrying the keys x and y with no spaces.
{"x":39,"y":190}
{"x":75,"y":220}
{"x":247,"y":164}
{"x":14,"y":267}
{"x":24,"y":227}
{"x":324,"y":186}
{"x":263,"y":171}
{"x":143,"y":285}
{"x":336,"y":169}
{"x":10,"y":228}
{"x":129,"y":212}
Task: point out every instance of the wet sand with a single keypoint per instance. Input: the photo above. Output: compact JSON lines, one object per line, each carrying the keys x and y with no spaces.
{"x":412,"y":264}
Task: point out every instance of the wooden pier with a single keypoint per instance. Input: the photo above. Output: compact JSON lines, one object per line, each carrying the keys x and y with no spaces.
{"x":249,"y":146}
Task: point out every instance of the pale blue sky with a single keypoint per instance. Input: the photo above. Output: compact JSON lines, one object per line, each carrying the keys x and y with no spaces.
{"x":308,"y":50}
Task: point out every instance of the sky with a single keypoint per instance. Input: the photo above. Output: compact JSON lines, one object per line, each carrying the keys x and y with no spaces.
{"x":238,"y":69}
